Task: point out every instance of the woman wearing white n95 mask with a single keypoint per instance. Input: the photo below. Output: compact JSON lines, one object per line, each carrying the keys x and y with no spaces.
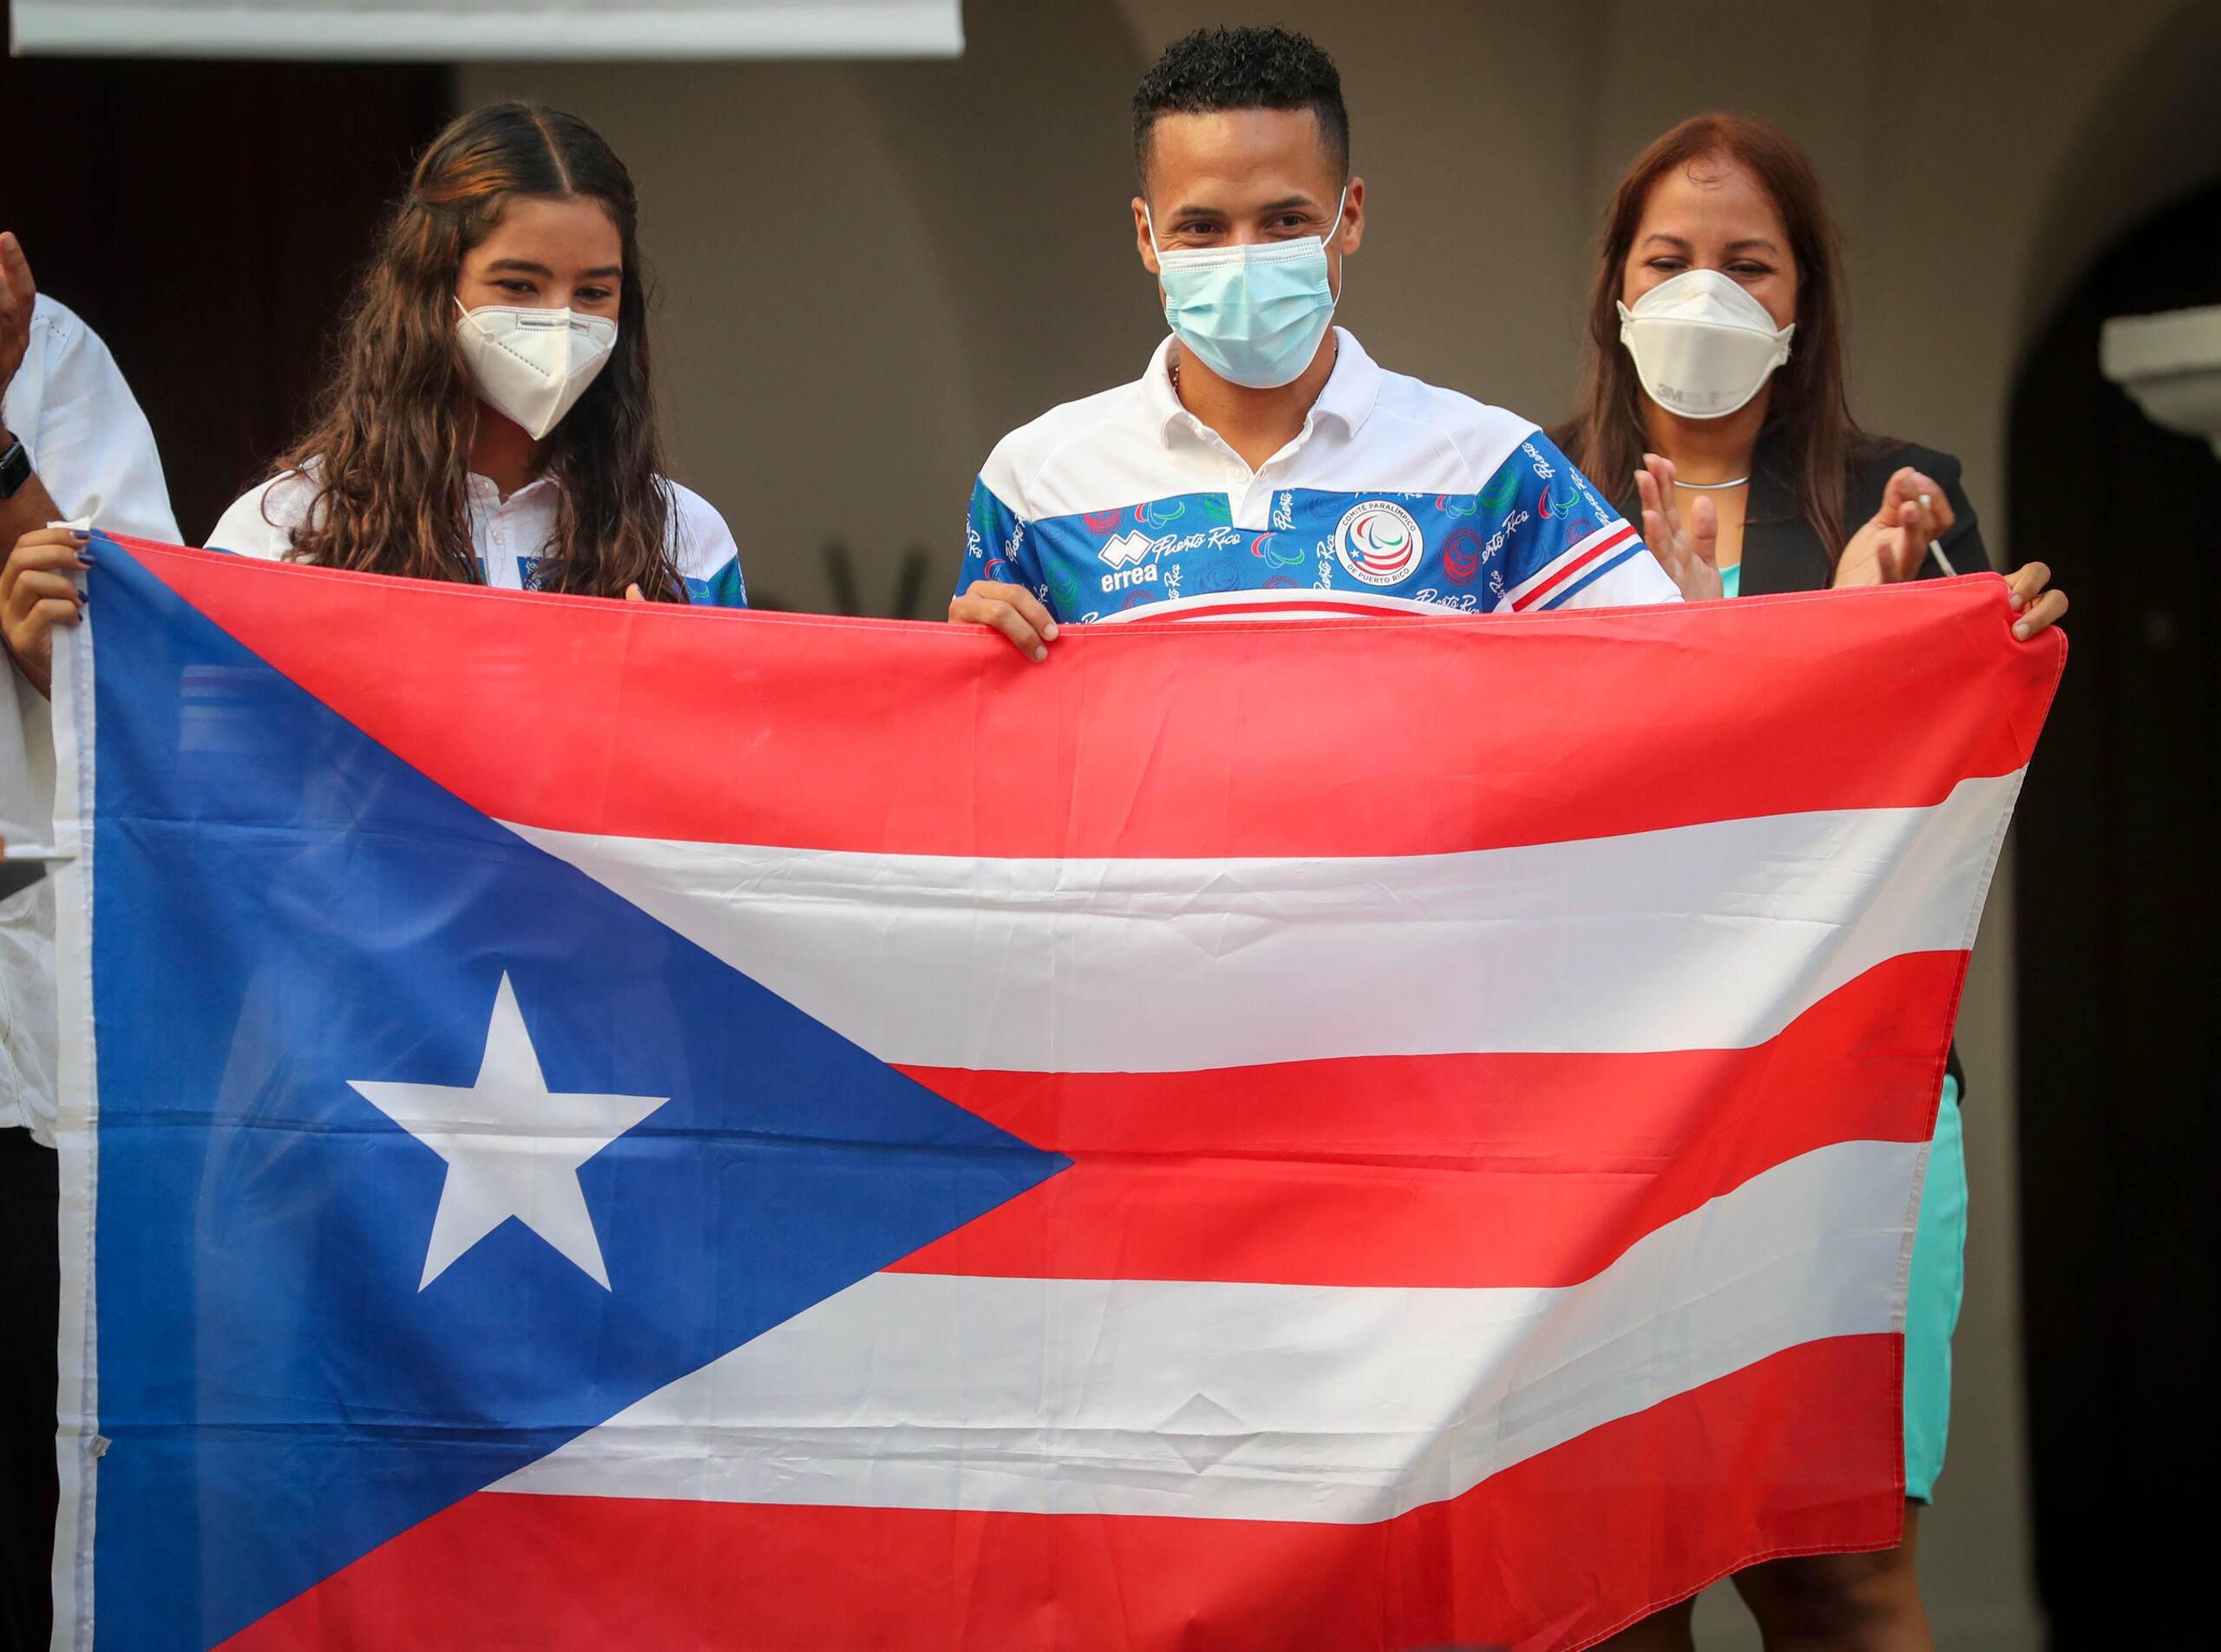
{"x":1713,"y":398}
{"x":489,"y":417}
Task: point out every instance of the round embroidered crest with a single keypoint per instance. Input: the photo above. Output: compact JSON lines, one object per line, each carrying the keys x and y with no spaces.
{"x":1379,"y":542}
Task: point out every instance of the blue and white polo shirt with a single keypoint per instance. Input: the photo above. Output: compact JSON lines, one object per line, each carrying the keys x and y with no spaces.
{"x":1395,"y":494}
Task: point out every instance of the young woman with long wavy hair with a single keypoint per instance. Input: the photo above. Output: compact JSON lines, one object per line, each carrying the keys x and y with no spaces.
{"x":1713,"y":399}
{"x":488,"y":416}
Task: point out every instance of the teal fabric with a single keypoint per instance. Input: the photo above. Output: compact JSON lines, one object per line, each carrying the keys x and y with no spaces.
{"x":1932,"y":1299}
{"x":1937,"y":1284}
{"x":723,"y":589}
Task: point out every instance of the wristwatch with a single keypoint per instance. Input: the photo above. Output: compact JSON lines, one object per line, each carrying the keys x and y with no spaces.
{"x":15,"y":467}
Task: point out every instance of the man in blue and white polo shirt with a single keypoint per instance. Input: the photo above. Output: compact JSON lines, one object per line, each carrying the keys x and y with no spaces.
{"x":1264,"y":459}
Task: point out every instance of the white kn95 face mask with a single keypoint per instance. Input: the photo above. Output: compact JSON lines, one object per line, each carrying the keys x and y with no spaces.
{"x":533,"y":364}
{"x":1703,"y":347}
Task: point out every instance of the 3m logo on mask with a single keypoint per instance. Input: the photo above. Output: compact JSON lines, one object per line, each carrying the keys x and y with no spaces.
{"x":1127,"y":556}
{"x":1703,"y":347}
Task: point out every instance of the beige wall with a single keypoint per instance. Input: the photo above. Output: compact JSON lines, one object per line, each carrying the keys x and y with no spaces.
{"x":872,"y":270}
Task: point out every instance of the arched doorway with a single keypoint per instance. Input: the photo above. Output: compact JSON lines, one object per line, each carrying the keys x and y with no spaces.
{"x":2116,"y":901}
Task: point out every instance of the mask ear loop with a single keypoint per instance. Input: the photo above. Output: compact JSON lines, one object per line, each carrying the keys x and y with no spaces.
{"x":1341,"y":259}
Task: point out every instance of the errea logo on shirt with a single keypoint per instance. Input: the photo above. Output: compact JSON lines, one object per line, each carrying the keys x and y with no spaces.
{"x":1125,"y":554}
{"x":1127,"y":550}
{"x":1379,"y":542}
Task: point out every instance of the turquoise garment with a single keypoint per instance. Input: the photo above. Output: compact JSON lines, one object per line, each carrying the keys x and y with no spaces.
{"x":1938,"y":1278}
{"x":723,"y":589}
{"x":1932,"y":1298}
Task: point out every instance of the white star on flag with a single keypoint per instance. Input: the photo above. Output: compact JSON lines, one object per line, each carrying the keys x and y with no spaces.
{"x":513,"y":1148}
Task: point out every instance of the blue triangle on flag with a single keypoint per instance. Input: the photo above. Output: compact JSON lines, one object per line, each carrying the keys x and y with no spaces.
{"x":282,"y":907}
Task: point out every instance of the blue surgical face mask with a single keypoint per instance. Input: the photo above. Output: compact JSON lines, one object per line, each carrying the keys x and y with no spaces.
{"x":1254,"y":312}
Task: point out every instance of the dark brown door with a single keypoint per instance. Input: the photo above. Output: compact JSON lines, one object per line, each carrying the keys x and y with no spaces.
{"x":205,"y":219}
{"x":2116,"y":911}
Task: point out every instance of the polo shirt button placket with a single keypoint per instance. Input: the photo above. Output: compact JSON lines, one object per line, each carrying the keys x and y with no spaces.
{"x":1237,"y":489}
{"x":1261,"y":480}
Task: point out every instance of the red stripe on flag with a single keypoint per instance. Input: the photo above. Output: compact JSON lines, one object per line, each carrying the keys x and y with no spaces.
{"x":1458,"y":1170}
{"x":1795,"y":1454}
{"x":1625,"y":534}
{"x":1175,"y":741}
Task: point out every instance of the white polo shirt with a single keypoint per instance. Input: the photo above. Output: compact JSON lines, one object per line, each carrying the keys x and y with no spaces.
{"x":1395,"y":494}
{"x":510,"y":534}
{"x":93,"y":451}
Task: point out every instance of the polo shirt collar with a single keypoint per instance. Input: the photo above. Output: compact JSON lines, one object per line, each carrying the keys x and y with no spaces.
{"x":483,"y":487}
{"x":1353,"y":386}
{"x":1159,"y":400}
{"x":1349,"y":395}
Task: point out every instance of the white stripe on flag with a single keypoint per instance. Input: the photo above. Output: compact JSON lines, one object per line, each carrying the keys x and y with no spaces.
{"x":1713,"y":936}
{"x":1268,"y":1402}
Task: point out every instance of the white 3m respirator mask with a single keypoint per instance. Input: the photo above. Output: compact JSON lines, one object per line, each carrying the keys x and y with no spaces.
{"x":533,"y":364}
{"x":1703,"y":347}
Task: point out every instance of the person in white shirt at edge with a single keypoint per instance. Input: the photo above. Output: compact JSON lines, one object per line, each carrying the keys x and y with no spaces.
{"x":489,"y":417}
{"x":73,"y":446}
{"x":1264,"y":461}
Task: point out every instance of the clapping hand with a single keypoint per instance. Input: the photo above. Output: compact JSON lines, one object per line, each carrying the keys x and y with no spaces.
{"x":1916,"y":514}
{"x":1689,"y":552}
{"x":1891,"y":548}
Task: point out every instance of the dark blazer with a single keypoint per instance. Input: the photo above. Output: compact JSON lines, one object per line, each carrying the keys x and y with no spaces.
{"x":1781,"y":552}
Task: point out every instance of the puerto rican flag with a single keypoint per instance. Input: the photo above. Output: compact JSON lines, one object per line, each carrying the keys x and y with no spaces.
{"x":590,"y":1125}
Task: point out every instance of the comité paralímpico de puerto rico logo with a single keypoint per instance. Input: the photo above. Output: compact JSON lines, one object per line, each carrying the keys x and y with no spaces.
{"x":1379,"y":542}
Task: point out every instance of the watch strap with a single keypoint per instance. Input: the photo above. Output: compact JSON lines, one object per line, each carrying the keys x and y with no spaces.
{"x":15,"y":467}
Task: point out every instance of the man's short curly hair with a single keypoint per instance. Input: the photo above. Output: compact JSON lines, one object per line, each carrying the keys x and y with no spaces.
{"x":1214,"y":69}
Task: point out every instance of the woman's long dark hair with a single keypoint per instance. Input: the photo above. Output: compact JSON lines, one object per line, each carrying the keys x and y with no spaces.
{"x":389,"y":446}
{"x":1809,"y":434}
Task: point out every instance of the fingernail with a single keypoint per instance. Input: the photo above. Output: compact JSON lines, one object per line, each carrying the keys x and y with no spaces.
{"x":2014,"y":598}
{"x":1050,"y":630}
{"x":1041,"y":654}
{"x":1925,"y":501}
{"x":80,"y":534}
{"x":2021,"y":630}
{"x":84,"y":559}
